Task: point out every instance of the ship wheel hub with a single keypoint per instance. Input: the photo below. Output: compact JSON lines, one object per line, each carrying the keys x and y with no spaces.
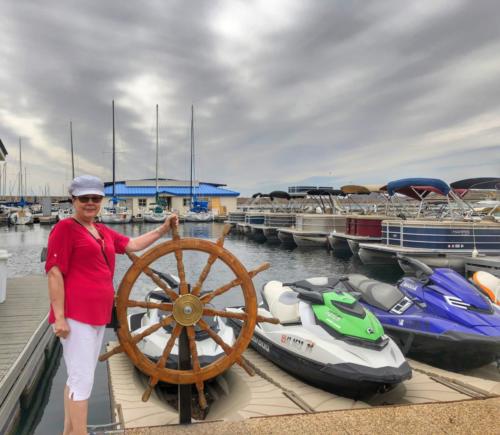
{"x":187,"y":310}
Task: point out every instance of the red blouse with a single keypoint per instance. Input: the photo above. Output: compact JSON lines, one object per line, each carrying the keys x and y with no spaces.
{"x":87,"y":265}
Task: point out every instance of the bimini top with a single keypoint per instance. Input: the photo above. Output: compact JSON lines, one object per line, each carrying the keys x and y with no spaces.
{"x":279,"y":194}
{"x":260,"y":195}
{"x":359,"y":189}
{"x":325,"y":192}
{"x":424,"y":186}
{"x":483,"y":183}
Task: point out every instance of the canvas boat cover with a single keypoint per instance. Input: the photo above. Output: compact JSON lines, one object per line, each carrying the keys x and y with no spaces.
{"x":424,"y":186}
{"x":359,"y":189}
{"x":279,"y":194}
{"x":482,"y":183}
{"x":325,"y":192}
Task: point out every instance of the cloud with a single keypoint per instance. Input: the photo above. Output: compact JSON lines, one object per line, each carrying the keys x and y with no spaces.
{"x":283,"y":92}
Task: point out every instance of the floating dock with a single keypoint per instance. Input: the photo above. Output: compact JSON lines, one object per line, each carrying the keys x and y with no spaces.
{"x":244,"y":403}
{"x":487,"y":264}
{"x":27,"y":343}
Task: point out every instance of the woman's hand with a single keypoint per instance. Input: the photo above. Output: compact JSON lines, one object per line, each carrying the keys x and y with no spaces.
{"x":172,"y":220}
{"x":61,"y":327}
{"x":143,"y":241}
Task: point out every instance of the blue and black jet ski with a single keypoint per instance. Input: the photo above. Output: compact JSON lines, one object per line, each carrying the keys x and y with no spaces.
{"x":437,"y":317}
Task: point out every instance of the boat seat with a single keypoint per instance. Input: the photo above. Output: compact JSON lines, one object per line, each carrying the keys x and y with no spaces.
{"x":286,"y":312}
{"x":489,"y":283}
{"x":376,"y":293}
{"x":317,"y":284}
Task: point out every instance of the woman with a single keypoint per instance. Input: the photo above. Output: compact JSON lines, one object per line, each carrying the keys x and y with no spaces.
{"x":80,"y":267}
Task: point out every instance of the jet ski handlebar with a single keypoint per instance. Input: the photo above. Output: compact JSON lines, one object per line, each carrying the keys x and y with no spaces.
{"x":419,"y":267}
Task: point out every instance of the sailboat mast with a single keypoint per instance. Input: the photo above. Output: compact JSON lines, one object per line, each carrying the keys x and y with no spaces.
{"x":20,"y":172}
{"x":72,"y":159}
{"x":156,"y":200}
{"x":192,"y":153}
{"x":113,"y":110}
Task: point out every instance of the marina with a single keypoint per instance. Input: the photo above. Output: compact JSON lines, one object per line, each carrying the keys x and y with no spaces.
{"x":250,"y":218}
{"x":239,"y":397}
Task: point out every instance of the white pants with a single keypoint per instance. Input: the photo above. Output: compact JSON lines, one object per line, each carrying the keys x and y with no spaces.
{"x":80,"y":351}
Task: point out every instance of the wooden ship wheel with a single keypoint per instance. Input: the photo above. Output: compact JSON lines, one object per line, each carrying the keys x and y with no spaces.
{"x":187,"y":309}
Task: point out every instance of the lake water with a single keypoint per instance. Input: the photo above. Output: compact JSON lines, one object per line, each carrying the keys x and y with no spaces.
{"x":25,"y":244}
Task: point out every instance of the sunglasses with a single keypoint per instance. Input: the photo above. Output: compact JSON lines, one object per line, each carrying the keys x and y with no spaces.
{"x":86,"y":199}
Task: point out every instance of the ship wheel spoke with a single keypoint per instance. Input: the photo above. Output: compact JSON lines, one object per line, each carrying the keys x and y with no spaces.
{"x":196,"y":366}
{"x":168,"y":291}
{"x":161,"y":324}
{"x":234,"y":283}
{"x":227,"y":349}
{"x":228,"y":314}
{"x":138,"y":337}
{"x":235,"y":315}
{"x":203,"y":276}
{"x":161,"y":362}
{"x":165,"y":306}
{"x":183,"y":287}
{"x":211,"y":260}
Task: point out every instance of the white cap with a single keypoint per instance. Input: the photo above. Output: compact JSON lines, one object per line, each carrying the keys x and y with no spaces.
{"x":86,"y":185}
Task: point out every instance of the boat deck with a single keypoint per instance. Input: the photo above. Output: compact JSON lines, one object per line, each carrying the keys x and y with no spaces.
{"x":25,"y":334}
{"x":273,"y":392}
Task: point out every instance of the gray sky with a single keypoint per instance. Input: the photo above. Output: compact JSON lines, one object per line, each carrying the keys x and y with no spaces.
{"x":285,"y":92}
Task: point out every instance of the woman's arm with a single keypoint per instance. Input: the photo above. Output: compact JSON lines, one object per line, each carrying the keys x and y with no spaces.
{"x":143,"y":241}
{"x":56,"y":295}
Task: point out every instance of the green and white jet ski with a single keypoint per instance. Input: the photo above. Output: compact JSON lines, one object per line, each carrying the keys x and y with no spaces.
{"x":327,"y":338}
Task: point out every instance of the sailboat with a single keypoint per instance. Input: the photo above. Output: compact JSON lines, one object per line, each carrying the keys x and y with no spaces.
{"x":157,"y":212}
{"x":199,"y":211}
{"x":114,"y":212}
{"x":21,"y":214}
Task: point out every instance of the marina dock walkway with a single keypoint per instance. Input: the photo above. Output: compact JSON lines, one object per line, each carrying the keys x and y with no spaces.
{"x":272,"y":396}
{"x":464,"y":417}
{"x":25,"y":337}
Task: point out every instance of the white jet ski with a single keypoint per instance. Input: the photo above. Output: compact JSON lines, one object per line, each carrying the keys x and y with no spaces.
{"x":327,"y":338}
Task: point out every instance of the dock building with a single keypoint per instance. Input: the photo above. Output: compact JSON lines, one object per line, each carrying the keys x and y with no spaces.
{"x":141,"y":194}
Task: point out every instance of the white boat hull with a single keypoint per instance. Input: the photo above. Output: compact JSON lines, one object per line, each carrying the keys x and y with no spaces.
{"x":121,"y":218}
{"x":21,"y":217}
{"x":199,"y":217}
{"x":155,"y":218}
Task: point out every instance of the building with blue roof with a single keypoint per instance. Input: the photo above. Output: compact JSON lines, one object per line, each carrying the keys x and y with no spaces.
{"x":140,"y":195}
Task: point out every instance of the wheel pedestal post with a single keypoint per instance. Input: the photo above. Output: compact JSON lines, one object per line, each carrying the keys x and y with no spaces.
{"x":184,"y":390}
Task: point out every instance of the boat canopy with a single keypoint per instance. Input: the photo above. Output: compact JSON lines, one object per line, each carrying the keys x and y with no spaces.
{"x":279,"y":194}
{"x":325,"y":192}
{"x":359,"y":189}
{"x":424,"y":186}
{"x":260,"y":195}
{"x":482,"y":183}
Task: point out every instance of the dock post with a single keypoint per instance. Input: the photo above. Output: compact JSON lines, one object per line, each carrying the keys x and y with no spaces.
{"x":184,"y":390}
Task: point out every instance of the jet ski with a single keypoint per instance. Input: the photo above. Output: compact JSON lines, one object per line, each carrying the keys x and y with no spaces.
{"x":437,"y":317}
{"x":153,"y":345}
{"x":327,"y":338}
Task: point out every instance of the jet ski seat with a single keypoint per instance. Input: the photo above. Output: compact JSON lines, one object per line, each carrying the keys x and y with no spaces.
{"x":489,"y":283}
{"x":375,"y":293}
{"x":285,"y":312}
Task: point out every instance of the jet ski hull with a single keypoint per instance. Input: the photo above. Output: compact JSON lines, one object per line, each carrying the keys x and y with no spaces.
{"x":451,"y":351}
{"x":346,"y":379}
